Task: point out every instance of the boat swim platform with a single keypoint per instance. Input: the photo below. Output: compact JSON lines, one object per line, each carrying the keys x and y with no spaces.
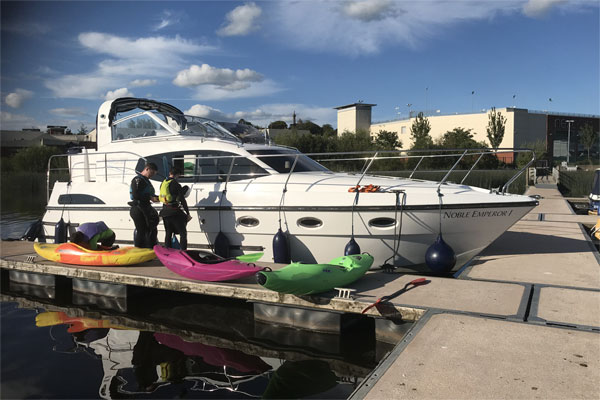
{"x":521,"y":321}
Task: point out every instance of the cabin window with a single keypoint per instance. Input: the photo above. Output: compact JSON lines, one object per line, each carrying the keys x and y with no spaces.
{"x":382,"y":222}
{"x":248,"y":222}
{"x":283,"y":160}
{"x":310,"y":222}
{"x":203,"y":166}
{"x":76,"y":198}
{"x":137,"y":126}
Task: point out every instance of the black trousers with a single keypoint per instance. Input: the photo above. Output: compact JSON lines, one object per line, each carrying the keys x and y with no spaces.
{"x":176,"y":224}
{"x":146,"y":221}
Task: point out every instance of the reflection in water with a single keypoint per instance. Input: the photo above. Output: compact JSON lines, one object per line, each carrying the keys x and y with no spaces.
{"x":297,"y":379}
{"x":199,"y":349}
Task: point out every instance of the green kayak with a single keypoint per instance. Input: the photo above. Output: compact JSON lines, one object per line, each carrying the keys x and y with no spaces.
{"x":302,"y":279}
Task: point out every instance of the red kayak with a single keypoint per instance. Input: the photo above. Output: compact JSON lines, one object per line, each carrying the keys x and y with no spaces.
{"x":204,"y":266}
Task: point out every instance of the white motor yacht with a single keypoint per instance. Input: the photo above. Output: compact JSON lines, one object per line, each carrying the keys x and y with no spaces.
{"x":249,"y":190}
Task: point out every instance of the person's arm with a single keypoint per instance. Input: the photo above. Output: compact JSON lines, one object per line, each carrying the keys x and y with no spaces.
{"x":177,"y":191}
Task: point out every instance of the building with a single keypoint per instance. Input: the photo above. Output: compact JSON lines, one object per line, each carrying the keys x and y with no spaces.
{"x":523,"y":128}
{"x":354,"y":117}
{"x":12,"y":141}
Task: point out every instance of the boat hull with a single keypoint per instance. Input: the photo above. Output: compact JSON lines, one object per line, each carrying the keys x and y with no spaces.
{"x":467,"y":230}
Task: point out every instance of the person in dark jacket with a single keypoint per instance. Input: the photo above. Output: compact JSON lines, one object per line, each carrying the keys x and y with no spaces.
{"x":143,"y":214}
{"x":175,"y":212}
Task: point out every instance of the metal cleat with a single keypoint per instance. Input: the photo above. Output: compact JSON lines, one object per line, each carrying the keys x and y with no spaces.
{"x":345,"y":293}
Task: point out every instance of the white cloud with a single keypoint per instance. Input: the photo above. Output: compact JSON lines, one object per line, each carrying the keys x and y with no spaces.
{"x":214,"y":92}
{"x":370,"y":10}
{"x":167,"y":18}
{"x":10,"y":121}
{"x":68,"y":112}
{"x":267,"y":113}
{"x":539,"y":8}
{"x":16,"y":98}
{"x":226,"y":78}
{"x":241,"y":20}
{"x":115,"y":94}
{"x":142,"y":82}
{"x":150,"y":57}
{"x":201,"y":110}
{"x":153,"y":48}
{"x":366,"y":27}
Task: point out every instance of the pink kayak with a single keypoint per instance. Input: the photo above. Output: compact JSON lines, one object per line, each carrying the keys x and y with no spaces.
{"x":204,"y":266}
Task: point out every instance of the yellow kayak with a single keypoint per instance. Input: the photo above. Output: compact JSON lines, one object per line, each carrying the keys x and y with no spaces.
{"x":71,"y":253}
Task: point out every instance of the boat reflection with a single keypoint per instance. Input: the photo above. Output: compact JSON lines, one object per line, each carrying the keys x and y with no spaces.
{"x":198,"y":347}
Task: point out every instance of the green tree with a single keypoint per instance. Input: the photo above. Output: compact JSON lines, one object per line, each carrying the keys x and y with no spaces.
{"x":387,"y":140}
{"x":310,"y":126}
{"x":539,"y":149}
{"x":419,"y":133}
{"x":328,"y":130}
{"x":459,"y":138}
{"x":588,"y":139}
{"x":495,"y":128}
{"x":244,"y":122}
{"x":82,"y":130}
{"x":278,"y":125}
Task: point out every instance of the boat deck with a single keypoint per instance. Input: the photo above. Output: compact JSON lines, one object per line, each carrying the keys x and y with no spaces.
{"x":522,"y":320}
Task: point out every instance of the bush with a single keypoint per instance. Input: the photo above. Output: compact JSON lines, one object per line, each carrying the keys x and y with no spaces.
{"x":30,"y":159}
{"x":575,"y":183}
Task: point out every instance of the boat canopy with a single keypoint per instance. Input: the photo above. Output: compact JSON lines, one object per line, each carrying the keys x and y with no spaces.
{"x":125,"y":104}
{"x":129,"y":118}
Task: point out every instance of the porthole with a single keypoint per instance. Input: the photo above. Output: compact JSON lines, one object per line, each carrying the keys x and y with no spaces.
{"x":248,"y":222}
{"x":382,"y":222}
{"x":310,"y":222}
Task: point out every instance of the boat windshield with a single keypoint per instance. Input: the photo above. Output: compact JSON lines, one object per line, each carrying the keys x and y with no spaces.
{"x":198,"y":126}
{"x":282,"y":160}
{"x":155,"y":123}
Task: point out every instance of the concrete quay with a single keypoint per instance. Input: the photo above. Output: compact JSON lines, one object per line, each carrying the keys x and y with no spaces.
{"x":550,"y":352}
{"x":521,"y":321}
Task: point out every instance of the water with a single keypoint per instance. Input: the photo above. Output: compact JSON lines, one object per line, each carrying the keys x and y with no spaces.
{"x":156,"y":344}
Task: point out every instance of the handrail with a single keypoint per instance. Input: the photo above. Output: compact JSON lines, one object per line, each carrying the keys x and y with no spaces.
{"x":70,"y":168}
{"x":369,"y":160}
{"x":450,"y":170}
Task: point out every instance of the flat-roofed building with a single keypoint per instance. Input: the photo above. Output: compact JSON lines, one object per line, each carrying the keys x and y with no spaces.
{"x":354,"y":117}
{"x":523,"y":128}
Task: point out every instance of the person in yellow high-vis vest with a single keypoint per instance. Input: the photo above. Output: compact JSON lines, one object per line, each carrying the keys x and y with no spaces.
{"x":175,"y":212}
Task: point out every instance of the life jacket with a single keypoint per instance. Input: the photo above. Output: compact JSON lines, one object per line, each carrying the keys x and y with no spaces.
{"x":147,"y":189}
{"x":165,"y":195}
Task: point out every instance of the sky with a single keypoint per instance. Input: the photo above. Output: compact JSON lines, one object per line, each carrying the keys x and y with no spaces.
{"x":264,"y":60}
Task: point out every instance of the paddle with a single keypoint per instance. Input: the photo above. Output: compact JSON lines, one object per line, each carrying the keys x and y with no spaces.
{"x":250,"y":257}
{"x":416,"y":282}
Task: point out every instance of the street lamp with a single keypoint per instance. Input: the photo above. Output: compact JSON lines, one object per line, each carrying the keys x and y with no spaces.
{"x":569,"y":121}
{"x":408,"y":105}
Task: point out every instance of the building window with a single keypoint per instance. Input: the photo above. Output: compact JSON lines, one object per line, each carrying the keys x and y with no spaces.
{"x":403,"y":129}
